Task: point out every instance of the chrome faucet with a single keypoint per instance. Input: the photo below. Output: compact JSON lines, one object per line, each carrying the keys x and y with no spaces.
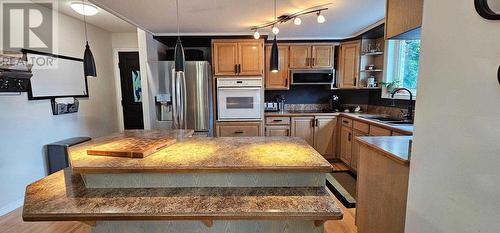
{"x":409,"y":115}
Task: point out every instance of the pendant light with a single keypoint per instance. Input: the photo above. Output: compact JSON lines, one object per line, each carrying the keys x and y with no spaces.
{"x":274,"y":59}
{"x":88,"y":59}
{"x":179,"y":50}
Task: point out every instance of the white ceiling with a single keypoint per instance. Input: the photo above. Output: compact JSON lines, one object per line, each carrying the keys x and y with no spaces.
{"x":102,"y":19}
{"x":235,"y":17}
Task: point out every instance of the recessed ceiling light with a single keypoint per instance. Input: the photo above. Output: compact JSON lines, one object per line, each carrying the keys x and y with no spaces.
{"x":84,"y":8}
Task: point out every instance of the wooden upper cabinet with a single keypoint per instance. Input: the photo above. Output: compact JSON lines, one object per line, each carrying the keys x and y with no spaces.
{"x":322,"y":56}
{"x":403,"y":16}
{"x":238,"y":57}
{"x":225,"y":58}
{"x":250,"y":58}
{"x":279,"y":80}
{"x":300,"y":56}
{"x":349,"y":64}
{"x":307,"y":56}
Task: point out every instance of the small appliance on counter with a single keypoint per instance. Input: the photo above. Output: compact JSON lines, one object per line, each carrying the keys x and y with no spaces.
{"x":271,"y":107}
{"x":335,"y":103}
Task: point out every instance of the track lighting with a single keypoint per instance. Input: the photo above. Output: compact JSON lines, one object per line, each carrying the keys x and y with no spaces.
{"x":321,"y":18}
{"x":256,"y":34}
{"x":297,"y":21}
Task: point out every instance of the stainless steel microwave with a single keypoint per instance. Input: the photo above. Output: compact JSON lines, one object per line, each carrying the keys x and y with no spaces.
{"x":313,"y":77}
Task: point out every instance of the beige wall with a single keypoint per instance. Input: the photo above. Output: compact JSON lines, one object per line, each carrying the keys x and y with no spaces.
{"x":26,"y":126}
{"x":454,"y":171}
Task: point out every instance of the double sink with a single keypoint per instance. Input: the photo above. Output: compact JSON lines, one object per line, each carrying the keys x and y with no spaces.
{"x":389,"y":120}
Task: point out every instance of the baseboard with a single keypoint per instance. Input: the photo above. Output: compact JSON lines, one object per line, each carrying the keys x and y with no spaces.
{"x":11,"y":206}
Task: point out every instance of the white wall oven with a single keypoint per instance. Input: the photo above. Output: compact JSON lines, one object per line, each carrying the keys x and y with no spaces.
{"x":239,"y":98}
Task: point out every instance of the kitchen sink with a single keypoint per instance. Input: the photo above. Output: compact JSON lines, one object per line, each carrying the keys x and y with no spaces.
{"x":388,"y":120}
{"x":380,"y":118}
{"x":399,"y":122}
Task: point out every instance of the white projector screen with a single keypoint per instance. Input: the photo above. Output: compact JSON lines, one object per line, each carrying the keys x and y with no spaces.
{"x":56,"y":76}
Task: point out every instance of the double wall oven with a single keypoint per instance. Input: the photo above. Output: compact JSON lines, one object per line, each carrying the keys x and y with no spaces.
{"x":239,"y":98}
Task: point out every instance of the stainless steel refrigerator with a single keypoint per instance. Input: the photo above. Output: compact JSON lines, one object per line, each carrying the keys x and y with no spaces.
{"x":184,"y":100}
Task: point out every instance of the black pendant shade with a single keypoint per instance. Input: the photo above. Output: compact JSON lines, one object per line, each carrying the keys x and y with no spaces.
{"x":274,"y":66}
{"x":88,"y":62}
{"x":179,"y":56}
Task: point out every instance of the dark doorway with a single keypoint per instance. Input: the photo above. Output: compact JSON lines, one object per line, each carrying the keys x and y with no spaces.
{"x":130,"y":77}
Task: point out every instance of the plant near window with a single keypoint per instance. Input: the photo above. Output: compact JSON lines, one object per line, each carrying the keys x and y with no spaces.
{"x":391,"y":86}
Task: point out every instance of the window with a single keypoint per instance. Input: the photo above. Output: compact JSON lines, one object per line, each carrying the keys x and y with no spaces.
{"x":402,"y":66}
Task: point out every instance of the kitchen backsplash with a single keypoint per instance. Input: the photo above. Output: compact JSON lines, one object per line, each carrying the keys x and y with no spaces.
{"x":321,"y":95}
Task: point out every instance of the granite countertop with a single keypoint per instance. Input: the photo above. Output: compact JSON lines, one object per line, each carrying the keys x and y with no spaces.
{"x":396,"y":148}
{"x":62,"y":196}
{"x":403,"y":129}
{"x":201,"y":155}
{"x":301,"y":113}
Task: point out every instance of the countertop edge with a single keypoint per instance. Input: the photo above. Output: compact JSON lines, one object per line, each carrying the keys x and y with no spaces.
{"x":99,"y":170}
{"x":383,"y":151}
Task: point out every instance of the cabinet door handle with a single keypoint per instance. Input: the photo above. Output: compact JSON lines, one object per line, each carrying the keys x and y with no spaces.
{"x":276,"y":120}
{"x":316,"y":122}
{"x":239,"y":68}
{"x":347,"y":122}
{"x":287,"y":132}
{"x":238,"y":132}
{"x":236,"y":68}
{"x":349,"y":138}
{"x":313,"y":61}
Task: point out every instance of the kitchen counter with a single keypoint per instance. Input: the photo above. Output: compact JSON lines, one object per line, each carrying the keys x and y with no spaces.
{"x":209,"y":155}
{"x":403,"y":129}
{"x":62,"y":196}
{"x":396,"y":148}
{"x":195,"y":185}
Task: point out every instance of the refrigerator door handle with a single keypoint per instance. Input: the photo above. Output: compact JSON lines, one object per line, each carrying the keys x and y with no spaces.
{"x":175,"y":105}
{"x":183,"y":102}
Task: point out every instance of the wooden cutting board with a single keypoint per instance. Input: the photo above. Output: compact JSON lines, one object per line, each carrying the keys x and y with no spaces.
{"x":131,"y":146}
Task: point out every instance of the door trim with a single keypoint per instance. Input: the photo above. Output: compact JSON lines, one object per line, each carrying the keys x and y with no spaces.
{"x":118,"y":84}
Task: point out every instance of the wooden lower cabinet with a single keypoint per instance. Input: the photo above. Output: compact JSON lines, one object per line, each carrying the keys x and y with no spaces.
{"x":324,"y":136}
{"x":382,"y":188}
{"x":355,"y":149}
{"x":303,"y":127}
{"x":239,"y":129}
{"x":277,"y":131}
{"x":346,"y":145}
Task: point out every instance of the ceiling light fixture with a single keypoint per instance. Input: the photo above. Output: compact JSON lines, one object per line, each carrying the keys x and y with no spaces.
{"x":274,"y":58}
{"x":179,"y":58}
{"x":296,"y":17}
{"x":84,"y":8}
{"x":297,"y":21}
{"x":89,"y":69}
{"x":321,"y":18}
{"x":256,"y":34}
{"x":275,"y":30}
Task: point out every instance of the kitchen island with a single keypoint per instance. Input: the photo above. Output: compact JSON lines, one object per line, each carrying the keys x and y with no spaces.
{"x":253,"y":184}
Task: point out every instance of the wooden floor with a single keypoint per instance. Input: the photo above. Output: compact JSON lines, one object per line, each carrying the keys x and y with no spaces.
{"x":13,"y":222}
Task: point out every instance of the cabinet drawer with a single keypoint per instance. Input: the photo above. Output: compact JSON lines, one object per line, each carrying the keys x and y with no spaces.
{"x":346,"y":122}
{"x":360,"y":126}
{"x":239,"y":129}
{"x":277,"y":131}
{"x":377,"y":131}
{"x":277,"y":120}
